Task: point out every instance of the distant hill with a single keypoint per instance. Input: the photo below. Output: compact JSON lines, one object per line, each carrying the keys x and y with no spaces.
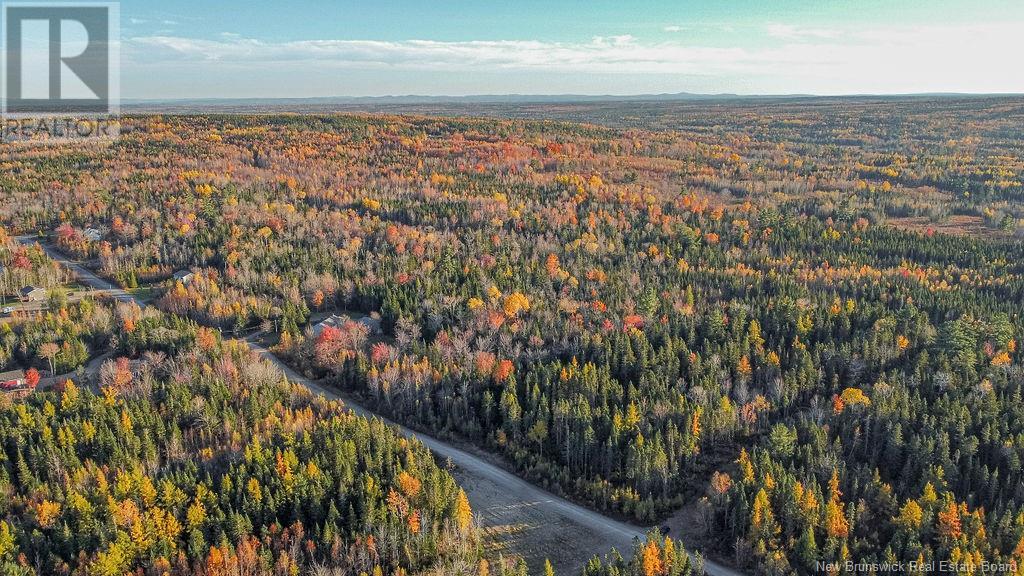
{"x":413,"y":99}
{"x":469,"y":99}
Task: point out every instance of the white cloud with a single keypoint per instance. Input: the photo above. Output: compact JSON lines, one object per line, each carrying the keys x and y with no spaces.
{"x":777,"y":59}
{"x":792,"y":32}
{"x":606,"y":54}
{"x":673,"y":28}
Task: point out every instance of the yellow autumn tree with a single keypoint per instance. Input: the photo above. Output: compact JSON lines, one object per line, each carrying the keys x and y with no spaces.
{"x":668,"y":554}
{"x":855,"y":397}
{"x":836,"y":524}
{"x":110,"y":562}
{"x":195,"y":515}
{"x":515,"y":303}
{"x":910,"y":516}
{"x":746,"y":467}
{"x":463,"y":512}
{"x":6,"y":536}
{"x":809,"y":506}
{"x":254,"y":490}
{"x":754,"y":335}
{"x":69,"y":397}
{"x":928,"y":495}
{"x":47,"y":513}
{"x":762,"y":519}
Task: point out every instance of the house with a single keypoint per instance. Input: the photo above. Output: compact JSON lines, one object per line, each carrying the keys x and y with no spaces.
{"x":92,"y":234}
{"x":372,"y":325}
{"x":13,"y":383}
{"x":13,"y":380}
{"x":333,"y":321}
{"x":32,"y":294}
{"x":183,"y":276}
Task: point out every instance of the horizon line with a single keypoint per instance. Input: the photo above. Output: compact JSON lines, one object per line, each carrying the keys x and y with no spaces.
{"x":571,"y":95}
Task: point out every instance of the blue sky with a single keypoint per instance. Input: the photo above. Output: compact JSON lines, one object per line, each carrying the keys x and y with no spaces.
{"x":231,"y":48}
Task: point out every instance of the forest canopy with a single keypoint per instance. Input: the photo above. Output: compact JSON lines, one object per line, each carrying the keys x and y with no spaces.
{"x":797,"y":325}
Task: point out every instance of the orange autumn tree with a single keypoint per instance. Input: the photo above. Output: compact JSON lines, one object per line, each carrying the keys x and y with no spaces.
{"x":408,"y":484}
{"x":551,"y":264}
{"x":948,"y":519}
{"x":651,"y":561}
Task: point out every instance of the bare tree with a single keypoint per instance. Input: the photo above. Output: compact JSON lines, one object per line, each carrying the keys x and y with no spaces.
{"x":49,"y":351}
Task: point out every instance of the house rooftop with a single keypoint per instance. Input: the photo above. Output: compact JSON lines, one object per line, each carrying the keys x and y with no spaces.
{"x":371,"y":323}
{"x":332,"y":321}
{"x":12,"y":375}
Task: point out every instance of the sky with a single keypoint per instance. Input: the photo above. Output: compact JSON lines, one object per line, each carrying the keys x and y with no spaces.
{"x":319,"y":48}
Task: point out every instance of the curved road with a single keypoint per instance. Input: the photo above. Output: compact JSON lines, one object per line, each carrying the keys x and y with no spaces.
{"x":518,"y":517}
{"x":85,"y":276}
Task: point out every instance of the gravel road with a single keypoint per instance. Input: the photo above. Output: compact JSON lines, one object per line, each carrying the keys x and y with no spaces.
{"x":518,"y":517}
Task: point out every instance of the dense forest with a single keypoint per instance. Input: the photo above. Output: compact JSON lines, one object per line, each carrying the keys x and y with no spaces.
{"x":21,"y":266}
{"x":196,"y":458}
{"x":798,"y":324}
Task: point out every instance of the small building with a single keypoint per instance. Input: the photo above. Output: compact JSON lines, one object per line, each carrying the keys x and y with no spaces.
{"x":13,"y":380}
{"x":332,"y":321}
{"x":32,"y":294}
{"x":14,"y":384}
{"x":183,"y":276}
{"x":372,"y":325}
{"x":92,"y":234}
